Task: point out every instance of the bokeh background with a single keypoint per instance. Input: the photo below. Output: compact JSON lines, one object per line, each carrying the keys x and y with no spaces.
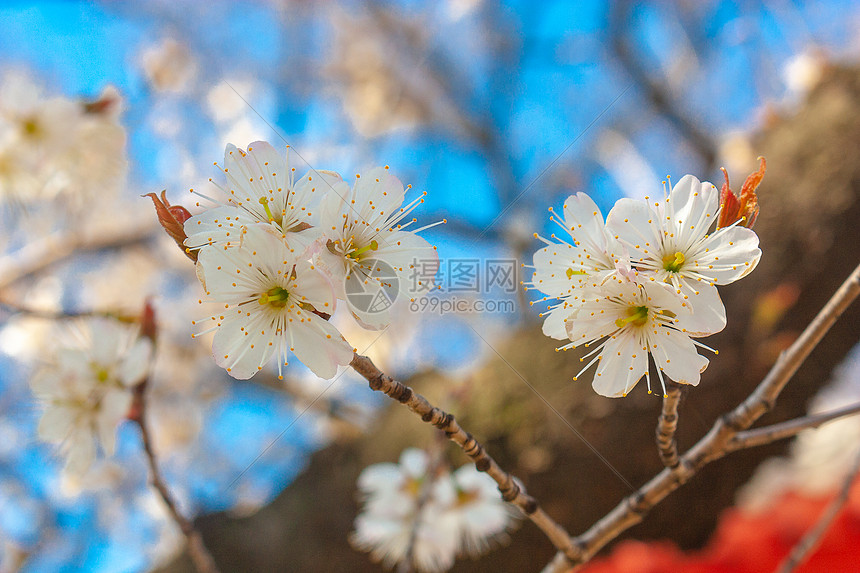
{"x":498,"y":111}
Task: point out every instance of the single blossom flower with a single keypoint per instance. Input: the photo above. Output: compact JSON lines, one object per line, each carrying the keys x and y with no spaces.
{"x":401,"y":509}
{"x":86,"y":391}
{"x":564,"y":268}
{"x":267,"y":299}
{"x":262,"y":187}
{"x":630,"y":321}
{"x":444,"y":514}
{"x":368,"y":249}
{"x":671,"y":241}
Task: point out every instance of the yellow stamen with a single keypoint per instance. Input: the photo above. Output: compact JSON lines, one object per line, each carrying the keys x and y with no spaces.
{"x":265,"y":203}
{"x":673,"y":263}
{"x":356,"y":254}
{"x":275,"y":296}
{"x":636,"y":315}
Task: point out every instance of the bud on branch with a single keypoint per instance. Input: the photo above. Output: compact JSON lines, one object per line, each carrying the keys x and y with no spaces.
{"x":172,"y":218}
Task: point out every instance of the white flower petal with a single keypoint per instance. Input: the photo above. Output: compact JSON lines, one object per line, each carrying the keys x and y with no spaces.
{"x":319,"y":345}
{"x":555,"y":325}
{"x":219,"y":225}
{"x":56,"y":422}
{"x":732,"y":254}
{"x":635,"y":224}
{"x":623,"y":363}
{"x":80,"y":451}
{"x":413,"y":462}
{"x":113,"y":408}
{"x":378,"y":194}
{"x":135,"y":363}
{"x":313,"y":287}
{"x":675,"y":354}
{"x":105,"y":342}
{"x":709,"y":314}
{"x":241,"y":348}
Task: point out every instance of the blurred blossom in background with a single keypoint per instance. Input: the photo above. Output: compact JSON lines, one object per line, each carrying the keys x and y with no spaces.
{"x":496,"y":110}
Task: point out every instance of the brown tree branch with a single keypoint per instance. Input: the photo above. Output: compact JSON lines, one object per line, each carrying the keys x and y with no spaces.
{"x":14,"y":308}
{"x":38,"y":255}
{"x":511,"y":491}
{"x":715,"y":444}
{"x":769,"y":434}
{"x":810,"y":542}
{"x":667,"y":447}
{"x":200,"y":556}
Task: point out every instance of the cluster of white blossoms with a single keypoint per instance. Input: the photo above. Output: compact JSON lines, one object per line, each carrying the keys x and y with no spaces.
{"x":417,"y":510}
{"x":277,"y":252}
{"x":54,"y":145}
{"x":86,"y":390}
{"x":643,"y":282}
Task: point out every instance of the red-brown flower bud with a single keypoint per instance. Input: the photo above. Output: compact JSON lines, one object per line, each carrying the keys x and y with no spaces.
{"x":148,"y":325}
{"x":172,"y":218}
{"x":743,"y":206}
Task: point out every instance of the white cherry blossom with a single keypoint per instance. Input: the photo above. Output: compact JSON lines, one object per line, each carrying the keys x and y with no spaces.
{"x":366,"y":241}
{"x":564,"y":268}
{"x":671,"y":240}
{"x":265,"y":297}
{"x":631,"y":321}
{"x":443,"y":514}
{"x":262,"y":187}
{"x":86,"y":391}
{"x":394,"y":515}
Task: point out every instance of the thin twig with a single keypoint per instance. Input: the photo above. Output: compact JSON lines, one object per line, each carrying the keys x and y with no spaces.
{"x":770,"y":434}
{"x":200,"y":556}
{"x":810,"y":542}
{"x":667,"y":447}
{"x":715,"y":444}
{"x":14,"y":308}
{"x":511,"y":491}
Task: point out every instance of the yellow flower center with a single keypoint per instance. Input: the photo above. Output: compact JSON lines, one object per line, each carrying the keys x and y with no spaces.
{"x":672,"y":263}
{"x":275,"y":297}
{"x":265,"y":203}
{"x":636,"y":315}
{"x":357,"y":253}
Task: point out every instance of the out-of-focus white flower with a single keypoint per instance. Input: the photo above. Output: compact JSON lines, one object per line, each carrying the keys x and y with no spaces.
{"x":563,"y":270}
{"x":634,"y":320}
{"x":672,"y":242}
{"x":53,"y":146}
{"x":224,"y":104}
{"x":169,"y":66}
{"x":803,"y":71}
{"x":262,"y":188}
{"x":38,"y":126}
{"x":266,"y":298}
{"x":420,"y":511}
{"x":482,"y":516}
{"x":86,"y":390}
{"x":366,"y":247}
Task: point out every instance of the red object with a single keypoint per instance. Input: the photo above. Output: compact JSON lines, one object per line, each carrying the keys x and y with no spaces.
{"x":747,"y":542}
{"x":172,"y":218}
{"x":745,"y":205}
